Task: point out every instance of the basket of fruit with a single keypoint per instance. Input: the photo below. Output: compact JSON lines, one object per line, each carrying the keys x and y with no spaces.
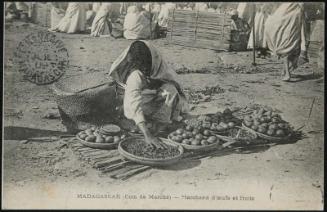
{"x":135,"y":149}
{"x":93,"y":138}
{"x":194,"y":138}
{"x":268,"y":125}
{"x":218,"y":123}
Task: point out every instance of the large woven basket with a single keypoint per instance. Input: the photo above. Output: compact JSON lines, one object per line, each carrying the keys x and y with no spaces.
{"x":91,"y":97}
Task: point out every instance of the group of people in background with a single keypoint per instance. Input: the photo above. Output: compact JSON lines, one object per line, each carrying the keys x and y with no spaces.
{"x":279,"y":28}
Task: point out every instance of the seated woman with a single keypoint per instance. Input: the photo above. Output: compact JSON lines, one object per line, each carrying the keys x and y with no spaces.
{"x":102,"y":23}
{"x":152,"y":94}
{"x":74,"y":19}
{"x":137,"y":23}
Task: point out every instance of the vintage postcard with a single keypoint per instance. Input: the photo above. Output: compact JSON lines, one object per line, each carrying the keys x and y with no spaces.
{"x":161,"y":105}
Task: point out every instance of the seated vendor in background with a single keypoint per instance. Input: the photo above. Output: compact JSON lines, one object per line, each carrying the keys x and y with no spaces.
{"x":152,"y":94}
{"x":238,"y":24}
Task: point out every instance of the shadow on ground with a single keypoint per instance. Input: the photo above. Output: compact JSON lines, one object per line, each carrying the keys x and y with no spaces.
{"x":22,"y":133}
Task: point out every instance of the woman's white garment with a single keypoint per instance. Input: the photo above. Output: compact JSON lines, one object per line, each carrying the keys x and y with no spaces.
{"x":74,"y":19}
{"x":201,"y":7}
{"x":57,"y":13}
{"x":137,"y":25}
{"x":283,"y":29}
{"x":96,"y":6}
{"x":164,"y":14}
{"x":107,"y":13}
{"x":246,"y":11}
{"x":164,"y":104}
{"x":259,"y":23}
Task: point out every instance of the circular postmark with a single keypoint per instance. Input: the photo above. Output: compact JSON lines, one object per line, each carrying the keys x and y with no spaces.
{"x":42,"y":58}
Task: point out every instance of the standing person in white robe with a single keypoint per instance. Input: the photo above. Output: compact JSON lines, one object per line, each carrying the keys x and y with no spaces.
{"x":245,"y":11}
{"x":137,"y":23}
{"x":164,"y":14}
{"x":259,"y":23}
{"x":102,"y":23}
{"x":201,"y":7}
{"x":152,"y":94}
{"x":57,"y":13}
{"x":284,"y":35}
{"x":74,"y":19}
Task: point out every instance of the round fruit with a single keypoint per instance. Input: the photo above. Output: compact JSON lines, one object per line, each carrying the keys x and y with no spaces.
{"x":219,"y":128}
{"x":274,"y":120}
{"x":99,"y":139}
{"x":265,"y":125}
{"x":93,"y":128}
{"x":90,"y":138}
{"x":212,"y":139}
{"x":189,"y":134}
{"x":280,"y":133}
{"x":83,"y":136}
{"x":248,"y":123}
{"x":116,"y":139}
{"x":189,"y":128}
{"x":184,"y":135}
{"x":256,"y":123}
{"x":206,"y":132}
{"x":178,"y":138}
{"x":198,"y":137}
{"x":247,"y":118}
{"x":268,"y":113}
{"x":281,"y":125}
{"x":254,"y":127}
{"x":200,"y":129}
{"x":223,"y":125}
{"x":227,"y":111}
{"x":262,"y":130}
{"x":207,"y":119}
{"x":195,"y":132}
{"x":231,"y":124}
{"x":195,"y":142}
{"x":204,"y":142}
{"x":173,"y":134}
{"x":109,"y":139}
{"x":180,"y":131}
{"x":273,"y":126}
{"x":275,"y":115}
{"x":89,"y":132}
{"x":185,"y":141}
{"x":271,"y":132}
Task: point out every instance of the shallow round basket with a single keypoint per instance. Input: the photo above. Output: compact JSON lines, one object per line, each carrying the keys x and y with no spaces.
{"x":196,"y":147}
{"x":150,"y":161}
{"x":267,"y":137}
{"x":105,"y":146}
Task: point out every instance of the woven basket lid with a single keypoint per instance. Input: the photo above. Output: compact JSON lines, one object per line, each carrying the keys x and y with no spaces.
{"x":81,"y":82}
{"x":110,"y":128}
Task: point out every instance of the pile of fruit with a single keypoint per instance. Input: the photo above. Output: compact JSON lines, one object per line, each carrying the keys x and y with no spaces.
{"x":141,"y":149}
{"x":218,"y":122}
{"x":196,"y":136}
{"x":93,"y":135}
{"x":268,"y":123}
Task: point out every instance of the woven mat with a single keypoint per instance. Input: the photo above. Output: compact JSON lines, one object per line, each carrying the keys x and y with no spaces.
{"x":111,"y":164}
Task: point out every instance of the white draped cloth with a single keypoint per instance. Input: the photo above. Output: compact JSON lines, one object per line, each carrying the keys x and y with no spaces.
{"x":74,"y":19}
{"x":137,"y":24}
{"x":284,"y":29}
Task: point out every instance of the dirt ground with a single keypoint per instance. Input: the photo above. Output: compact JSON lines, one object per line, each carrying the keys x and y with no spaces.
{"x":49,"y":175}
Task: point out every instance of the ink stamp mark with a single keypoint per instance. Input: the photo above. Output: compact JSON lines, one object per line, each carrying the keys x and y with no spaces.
{"x":42,"y":58}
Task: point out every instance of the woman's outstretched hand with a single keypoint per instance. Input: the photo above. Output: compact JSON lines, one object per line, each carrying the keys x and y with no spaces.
{"x":150,"y":139}
{"x":153,"y":141}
